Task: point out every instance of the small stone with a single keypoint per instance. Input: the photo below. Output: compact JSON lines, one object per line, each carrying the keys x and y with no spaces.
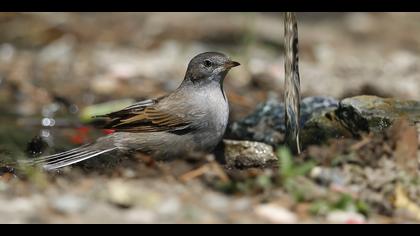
{"x":129,"y":173}
{"x":344,"y":217}
{"x":216,"y":201}
{"x":276,"y":214}
{"x":60,"y":50}
{"x":3,"y":186}
{"x":142,"y":216}
{"x":241,"y":204}
{"x":170,"y":206}
{"x":120,"y":194}
{"x":327,"y":176}
{"x":18,"y":206}
{"x":7,"y":52}
{"x":69,"y":204}
{"x":248,"y":154}
{"x":316,"y":172}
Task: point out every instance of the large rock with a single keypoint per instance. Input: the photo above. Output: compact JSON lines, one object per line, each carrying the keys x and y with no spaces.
{"x":324,"y":118}
{"x":382,"y":112}
{"x":266,"y":123}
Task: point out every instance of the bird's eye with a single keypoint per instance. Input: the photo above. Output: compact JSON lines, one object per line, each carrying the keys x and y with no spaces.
{"x":207,"y":63}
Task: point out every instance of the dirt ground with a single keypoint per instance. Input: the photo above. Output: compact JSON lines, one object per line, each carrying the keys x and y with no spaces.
{"x":54,"y":67}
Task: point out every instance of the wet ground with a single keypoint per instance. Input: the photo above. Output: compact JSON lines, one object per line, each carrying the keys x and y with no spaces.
{"x":55,"y":68}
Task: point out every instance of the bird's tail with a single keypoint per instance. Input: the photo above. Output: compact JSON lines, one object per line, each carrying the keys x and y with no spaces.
{"x":70,"y":157}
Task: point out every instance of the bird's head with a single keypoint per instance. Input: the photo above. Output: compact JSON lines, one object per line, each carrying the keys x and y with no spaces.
{"x":209,"y":67}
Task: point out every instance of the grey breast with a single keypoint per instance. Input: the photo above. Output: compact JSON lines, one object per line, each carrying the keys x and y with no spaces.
{"x":213,"y":125}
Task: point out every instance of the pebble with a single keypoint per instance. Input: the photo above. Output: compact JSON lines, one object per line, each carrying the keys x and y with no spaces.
{"x":3,"y":186}
{"x":140,"y":216}
{"x":216,"y":201}
{"x":120,"y":194}
{"x":170,"y":206}
{"x":241,"y":204}
{"x":344,"y":217}
{"x":69,"y":204}
{"x":248,"y":154}
{"x":328,"y":176}
{"x":7,"y":52}
{"x":276,"y":214}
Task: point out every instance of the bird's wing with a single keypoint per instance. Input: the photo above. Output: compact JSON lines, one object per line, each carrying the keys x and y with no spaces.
{"x":146,"y":116}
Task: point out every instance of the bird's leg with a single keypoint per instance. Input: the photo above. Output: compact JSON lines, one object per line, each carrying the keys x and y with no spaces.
{"x":292,"y":82}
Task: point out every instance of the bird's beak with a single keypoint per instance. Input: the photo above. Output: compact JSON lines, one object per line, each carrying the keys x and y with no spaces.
{"x":231,"y":64}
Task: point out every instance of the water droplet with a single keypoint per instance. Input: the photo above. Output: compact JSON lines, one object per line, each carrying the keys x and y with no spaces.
{"x":45,"y":133}
{"x":73,"y":108}
{"x":48,"y":122}
{"x":52,"y":122}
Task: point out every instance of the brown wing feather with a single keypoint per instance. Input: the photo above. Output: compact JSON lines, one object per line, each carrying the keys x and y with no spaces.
{"x":147,"y":118}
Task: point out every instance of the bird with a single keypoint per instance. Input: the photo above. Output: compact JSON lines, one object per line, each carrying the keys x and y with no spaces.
{"x":192,"y":118}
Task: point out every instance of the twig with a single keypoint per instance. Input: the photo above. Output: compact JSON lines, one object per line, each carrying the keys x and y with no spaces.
{"x":209,"y":167}
{"x":195,"y":173}
{"x":292,"y":82}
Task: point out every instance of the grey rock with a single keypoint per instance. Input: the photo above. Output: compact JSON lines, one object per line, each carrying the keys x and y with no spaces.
{"x":323,"y":118}
{"x":248,"y":154}
{"x":357,"y":115}
{"x":381,"y":112}
{"x":266,"y":123}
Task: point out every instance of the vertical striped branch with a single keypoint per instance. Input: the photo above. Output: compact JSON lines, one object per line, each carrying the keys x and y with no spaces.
{"x":292,"y":82}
